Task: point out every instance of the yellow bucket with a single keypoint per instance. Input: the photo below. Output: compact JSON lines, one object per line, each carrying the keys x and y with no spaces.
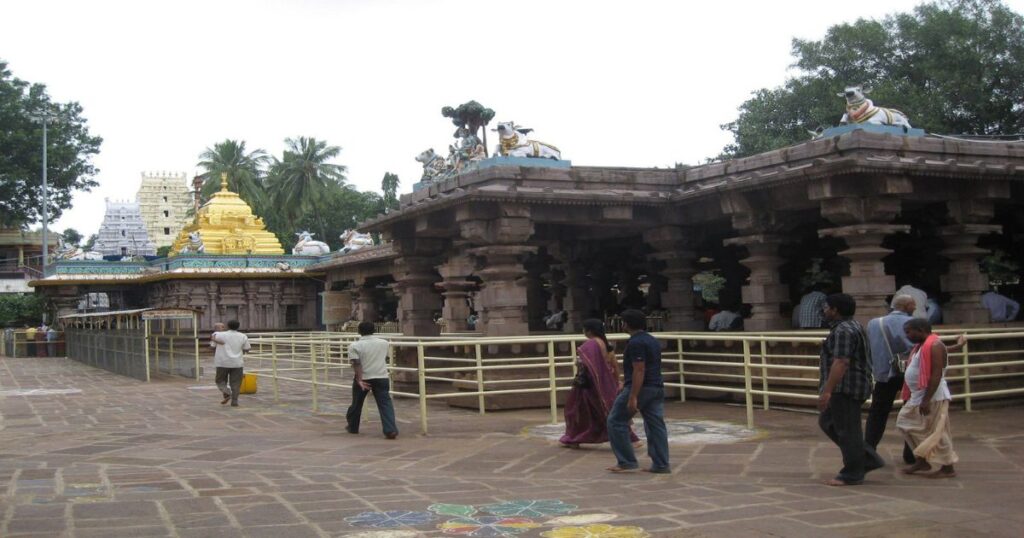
{"x":248,"y":384}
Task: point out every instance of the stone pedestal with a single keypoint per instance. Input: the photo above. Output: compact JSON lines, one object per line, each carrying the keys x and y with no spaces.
{"x":867,"y":282}
{"x":502,"y":300}
{"x":677,"y":297}
{"x":418,"y":298}
{"x":964,"y":281}
{"x":764,"y":291}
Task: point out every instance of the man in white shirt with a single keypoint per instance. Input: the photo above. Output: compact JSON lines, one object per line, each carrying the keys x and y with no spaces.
{"x":369,"y":359}
{"x":218,"y":361}
{"x":233,"y":344}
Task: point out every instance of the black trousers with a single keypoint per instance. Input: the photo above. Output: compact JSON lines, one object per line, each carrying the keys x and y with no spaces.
{"x":882,"y":398}
{"x":229,"y":381}
{"x":381,"y":389}
{"x":841,"y":423}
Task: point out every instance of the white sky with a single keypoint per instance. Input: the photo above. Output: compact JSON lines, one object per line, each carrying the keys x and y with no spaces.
{"x":627,"y":83}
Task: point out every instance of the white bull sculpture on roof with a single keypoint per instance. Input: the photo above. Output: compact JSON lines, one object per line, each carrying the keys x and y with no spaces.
{"x":308,"y":247}
{"x":860,"y":109}
{"x":514,"y":143}
{"x":354,"y":241}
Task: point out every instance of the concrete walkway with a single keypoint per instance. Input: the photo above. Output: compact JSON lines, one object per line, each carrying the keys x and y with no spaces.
{"x":104,"y":455}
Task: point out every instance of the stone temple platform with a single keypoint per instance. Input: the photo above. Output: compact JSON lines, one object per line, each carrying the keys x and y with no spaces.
{"x":86,"y":453}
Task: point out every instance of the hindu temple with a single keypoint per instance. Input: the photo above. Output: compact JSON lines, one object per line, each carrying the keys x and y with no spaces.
{"x":123,"y":232}
{"x":164,"y":201}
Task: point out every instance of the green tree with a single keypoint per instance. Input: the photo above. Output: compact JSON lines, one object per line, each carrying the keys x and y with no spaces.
{"x":69,"y":150}
{"x":303,"y":181}
{"x":71,"y":236}
{"x":91,"y":242}
{"x":17,"y":308}
{"x":343,"y":209}
{"x":245,"y":171}
{"x":163,"y":251}
{"x":472,"y":116}
{"x":953,"y":66}
{"x":389,"y":185}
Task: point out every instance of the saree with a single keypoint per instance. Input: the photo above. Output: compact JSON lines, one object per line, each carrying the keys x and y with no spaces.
{"x":586,"y":408}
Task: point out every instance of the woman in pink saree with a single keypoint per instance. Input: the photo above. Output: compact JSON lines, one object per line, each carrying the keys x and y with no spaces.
{"x":586,"y":408}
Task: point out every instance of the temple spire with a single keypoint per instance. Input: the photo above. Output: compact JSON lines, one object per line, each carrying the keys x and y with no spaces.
{"x":223,"y":181}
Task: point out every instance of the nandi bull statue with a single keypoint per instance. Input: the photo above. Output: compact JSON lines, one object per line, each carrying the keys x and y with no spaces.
{"x":195,"y":244}
{"x":514,"y":143}
{"x":860,"y":109}
{"x":354,"y":241}
{"x":308,"y":247}
{"x":66,"y":251}
{"x":435,"y":166}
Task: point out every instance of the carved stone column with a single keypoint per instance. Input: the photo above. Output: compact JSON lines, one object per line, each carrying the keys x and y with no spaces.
{"x":503,"y":295}
{"x":764,"y":291}
{"x":364,"y":299}
{"x":418,"y":298}
{"x":964,"y":281}
{"x":577,"y":302}
{"x":456,"y":291}
{"x":675,"y":251}
{"x":867,"y":283}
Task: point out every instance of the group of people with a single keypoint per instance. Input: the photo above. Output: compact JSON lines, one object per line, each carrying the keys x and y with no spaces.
{"x":40,"y":341}
{"x":901,"y":355}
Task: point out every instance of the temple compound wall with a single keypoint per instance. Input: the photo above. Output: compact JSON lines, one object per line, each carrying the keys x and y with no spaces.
{"x":521,"y":238}
{"x":164,"y":201}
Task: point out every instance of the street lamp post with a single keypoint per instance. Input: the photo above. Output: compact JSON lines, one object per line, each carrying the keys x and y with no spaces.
{"x":44,"y":117}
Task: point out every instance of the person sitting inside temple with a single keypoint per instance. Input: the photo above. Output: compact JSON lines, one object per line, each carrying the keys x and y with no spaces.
{"x":1001,"y":307}
{"x":729,"y":319}
{"x":807,"y":314}
{"x":556,"y":321}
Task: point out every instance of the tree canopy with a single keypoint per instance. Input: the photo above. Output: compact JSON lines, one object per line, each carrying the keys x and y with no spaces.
{"x":953,"y":66}
{"x":70,"y":148}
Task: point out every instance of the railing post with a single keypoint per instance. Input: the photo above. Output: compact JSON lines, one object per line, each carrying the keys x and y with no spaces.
{"x":481,"y":400}
{"x":967,"y":377}
{"x":195,"y":340}
{"x":552,"y":385}
{"x":170,"y":352}
{"x":273,"y":364}
{"x":747,"y":384}
{"x":682,"y":378}
{"x":422,"y":374}
{"x":145,"y":344}
{"x":764,"y":371}
{"x":312,"y":365}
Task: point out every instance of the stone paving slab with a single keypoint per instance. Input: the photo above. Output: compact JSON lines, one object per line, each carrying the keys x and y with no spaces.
{"x":126,"y":458}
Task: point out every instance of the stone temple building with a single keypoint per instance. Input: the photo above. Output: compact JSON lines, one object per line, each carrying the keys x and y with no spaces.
{"x":123,"y":232}
{"x":164,"y":201}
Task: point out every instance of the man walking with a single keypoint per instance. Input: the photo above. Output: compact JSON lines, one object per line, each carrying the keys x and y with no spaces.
{"x":644,"y":391}
{"x":229,"y":371}
{"x":369,"y":359}
{"x":924,"y":419}
{"x":888,"y":344}
{"x":844,"y":384}
{"x":218,"y":362}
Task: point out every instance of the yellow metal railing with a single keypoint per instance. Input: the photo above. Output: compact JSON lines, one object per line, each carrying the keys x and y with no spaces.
{"x":760,"y":367}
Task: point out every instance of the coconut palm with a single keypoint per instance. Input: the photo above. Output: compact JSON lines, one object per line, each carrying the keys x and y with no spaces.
{"x":245,"y":171}
{"x":301,"y":181}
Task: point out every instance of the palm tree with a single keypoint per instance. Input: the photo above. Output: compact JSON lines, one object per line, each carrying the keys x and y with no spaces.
{"x":301,"y":181}
{"x":245,"y":171}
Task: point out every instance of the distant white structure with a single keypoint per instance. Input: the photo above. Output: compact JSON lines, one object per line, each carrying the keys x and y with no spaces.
{"x":123,"y":232}
{"x":164,"y":200}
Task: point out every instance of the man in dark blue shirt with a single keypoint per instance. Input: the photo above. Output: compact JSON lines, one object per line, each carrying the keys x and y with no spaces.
{"x":644,"y":391}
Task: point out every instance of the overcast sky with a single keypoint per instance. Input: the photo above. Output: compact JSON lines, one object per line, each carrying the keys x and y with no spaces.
{"x":627,"y":83}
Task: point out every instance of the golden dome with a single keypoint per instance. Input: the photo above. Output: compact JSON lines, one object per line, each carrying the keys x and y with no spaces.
{"x":227,"y":225}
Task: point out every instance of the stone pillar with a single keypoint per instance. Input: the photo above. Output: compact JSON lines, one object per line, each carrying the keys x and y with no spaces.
{"x":964,"y":281}
{"x":577,"y":302}
{"x":674,"y":250}
{"x":764,"y":291}
{"x":364,"y":302}
{"x":418,"y":298}
{"x":456,"y":291}
{"x":503,"y":294}
{"x":867,"y":282}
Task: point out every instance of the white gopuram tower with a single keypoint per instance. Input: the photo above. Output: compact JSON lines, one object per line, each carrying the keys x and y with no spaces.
{"x":164,"y":201}
{"x":123,"y":233}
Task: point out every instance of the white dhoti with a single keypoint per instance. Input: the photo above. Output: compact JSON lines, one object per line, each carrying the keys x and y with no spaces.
{"x":929,"y":435}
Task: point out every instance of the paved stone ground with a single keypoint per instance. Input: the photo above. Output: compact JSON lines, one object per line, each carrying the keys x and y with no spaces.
{"x":125,"y":458}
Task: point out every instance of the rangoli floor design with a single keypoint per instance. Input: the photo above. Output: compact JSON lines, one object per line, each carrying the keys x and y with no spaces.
{"x":680,"y":432}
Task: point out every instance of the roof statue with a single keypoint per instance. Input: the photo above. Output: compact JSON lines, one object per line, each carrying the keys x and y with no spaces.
{"x":226,"y":225}
{"x":353,"y":241}
{"x":308,"y":247}
{"x":67,"y":251}
{"x":860,"y":109}
{"x":515,"y":143}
